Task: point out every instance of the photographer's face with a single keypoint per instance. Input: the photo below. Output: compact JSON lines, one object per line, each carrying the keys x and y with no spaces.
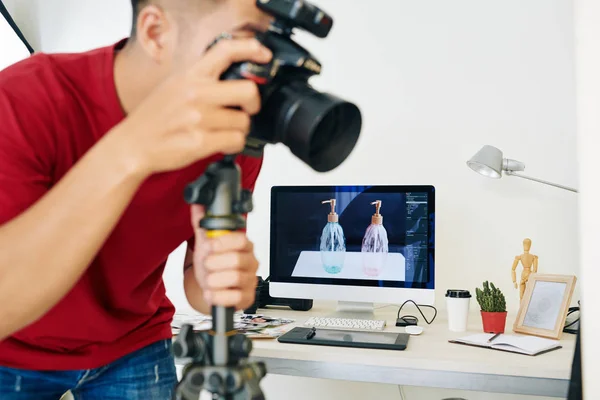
{"x":177,"y":37}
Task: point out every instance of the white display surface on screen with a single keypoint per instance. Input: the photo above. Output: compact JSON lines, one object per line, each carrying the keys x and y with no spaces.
{"x":309,"y":265}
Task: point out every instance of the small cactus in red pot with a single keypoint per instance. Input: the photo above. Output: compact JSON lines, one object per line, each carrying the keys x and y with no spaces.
{"x":493,"y":308}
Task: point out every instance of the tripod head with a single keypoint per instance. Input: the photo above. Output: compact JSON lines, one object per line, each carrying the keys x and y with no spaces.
{"x":219,"y":190}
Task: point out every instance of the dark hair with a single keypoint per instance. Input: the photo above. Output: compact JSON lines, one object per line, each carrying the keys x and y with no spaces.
{"x":136,"y":5}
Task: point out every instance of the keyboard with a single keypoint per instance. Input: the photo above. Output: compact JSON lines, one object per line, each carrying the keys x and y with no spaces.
{"x":343,"y":324}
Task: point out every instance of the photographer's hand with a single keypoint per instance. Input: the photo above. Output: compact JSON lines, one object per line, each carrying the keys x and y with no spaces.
{"x":191,"y":116}
{"x":223,"y":272}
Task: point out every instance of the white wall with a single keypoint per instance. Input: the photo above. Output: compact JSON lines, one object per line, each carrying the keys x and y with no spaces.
{"x":588,"y":99}
{"x":435,"y":80}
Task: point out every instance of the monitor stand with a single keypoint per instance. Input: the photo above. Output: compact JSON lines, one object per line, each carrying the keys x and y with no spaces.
{"x":354,"y":310}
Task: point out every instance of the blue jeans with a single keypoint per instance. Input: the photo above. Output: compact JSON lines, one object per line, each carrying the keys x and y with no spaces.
{"x":147,"y":374}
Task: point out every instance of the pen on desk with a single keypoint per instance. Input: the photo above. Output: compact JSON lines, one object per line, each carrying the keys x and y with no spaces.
{"x":311,"y":333}
{"x":490,"y":340}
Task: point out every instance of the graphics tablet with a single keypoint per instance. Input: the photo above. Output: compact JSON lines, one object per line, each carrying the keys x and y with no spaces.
{"x":329,"y":337}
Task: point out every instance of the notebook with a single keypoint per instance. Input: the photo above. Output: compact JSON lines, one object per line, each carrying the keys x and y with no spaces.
{"x":529,"y":345}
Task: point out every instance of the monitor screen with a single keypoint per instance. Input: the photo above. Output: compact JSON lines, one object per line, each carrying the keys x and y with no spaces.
{"x":380,"y":236}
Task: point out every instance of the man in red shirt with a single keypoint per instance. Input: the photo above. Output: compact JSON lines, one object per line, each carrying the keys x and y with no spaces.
{"x":95,"y":151}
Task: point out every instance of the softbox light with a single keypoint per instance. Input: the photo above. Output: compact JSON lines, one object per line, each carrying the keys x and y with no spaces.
{"x":13,"y":45}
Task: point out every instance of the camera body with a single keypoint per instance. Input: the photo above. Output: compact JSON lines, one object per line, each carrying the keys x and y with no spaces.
{"x":319,"y":128}
{"x":291,"y":65}
{"x":263,"y":300}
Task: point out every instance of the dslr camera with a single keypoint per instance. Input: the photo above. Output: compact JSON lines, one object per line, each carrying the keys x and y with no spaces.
{"x":319,"y":128}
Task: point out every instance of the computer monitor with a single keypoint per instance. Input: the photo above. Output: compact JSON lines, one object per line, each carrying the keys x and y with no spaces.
{"x":389,"y":262}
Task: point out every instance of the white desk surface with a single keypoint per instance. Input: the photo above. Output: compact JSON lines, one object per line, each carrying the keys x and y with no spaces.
{"x":309,"y":264}
{"x":428,"y":361}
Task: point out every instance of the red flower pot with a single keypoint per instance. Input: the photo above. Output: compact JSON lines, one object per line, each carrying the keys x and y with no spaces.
{"x":493,"y":322}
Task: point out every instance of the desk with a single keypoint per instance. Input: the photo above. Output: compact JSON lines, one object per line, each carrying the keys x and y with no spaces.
{"x":429,"y":360}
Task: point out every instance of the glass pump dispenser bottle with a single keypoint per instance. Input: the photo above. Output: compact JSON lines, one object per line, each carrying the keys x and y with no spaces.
{"x":333,"y":242}
{"x":375,"y":245}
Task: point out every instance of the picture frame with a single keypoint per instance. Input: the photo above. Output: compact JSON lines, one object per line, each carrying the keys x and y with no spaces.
{"x":543,"y":310}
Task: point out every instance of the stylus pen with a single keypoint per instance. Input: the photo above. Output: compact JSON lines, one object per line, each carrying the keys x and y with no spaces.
{"x":312,"y":333}
{"x":490,"y":340}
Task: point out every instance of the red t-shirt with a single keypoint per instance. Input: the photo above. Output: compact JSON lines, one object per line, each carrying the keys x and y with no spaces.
{"x":54,"y":108}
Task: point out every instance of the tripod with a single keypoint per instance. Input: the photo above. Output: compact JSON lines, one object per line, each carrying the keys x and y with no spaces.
{"x":218,"y":358}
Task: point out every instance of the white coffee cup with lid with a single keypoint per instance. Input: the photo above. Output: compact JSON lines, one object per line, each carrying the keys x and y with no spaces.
{"x":457,"y":303}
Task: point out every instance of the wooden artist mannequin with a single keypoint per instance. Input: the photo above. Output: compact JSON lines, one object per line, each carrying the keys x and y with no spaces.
{"x":530,"y":265}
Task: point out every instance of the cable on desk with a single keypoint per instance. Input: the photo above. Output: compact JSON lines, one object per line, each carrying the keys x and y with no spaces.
{"x":567,"y":328}
{"x":385,"y":306}
{"x":412,"y":317}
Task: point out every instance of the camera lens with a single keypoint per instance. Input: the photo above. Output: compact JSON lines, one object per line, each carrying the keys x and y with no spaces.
{"x":335,"y":136}
{"x":320,"y":129}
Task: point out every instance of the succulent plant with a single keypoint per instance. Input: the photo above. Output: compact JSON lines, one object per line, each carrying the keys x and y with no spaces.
{"x":490,"y":299}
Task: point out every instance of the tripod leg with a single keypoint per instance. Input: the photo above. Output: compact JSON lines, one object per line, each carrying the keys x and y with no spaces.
{"x":222,"y":322}
{"x":222,"y":331}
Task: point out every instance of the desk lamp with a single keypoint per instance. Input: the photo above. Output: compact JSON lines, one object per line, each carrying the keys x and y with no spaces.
{"x":490,"y":162}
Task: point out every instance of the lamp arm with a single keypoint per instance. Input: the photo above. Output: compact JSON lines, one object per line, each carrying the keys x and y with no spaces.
{"x":512,"y":173}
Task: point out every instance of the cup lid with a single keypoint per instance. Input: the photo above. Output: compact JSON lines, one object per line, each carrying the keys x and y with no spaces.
{"x":458,"y":294}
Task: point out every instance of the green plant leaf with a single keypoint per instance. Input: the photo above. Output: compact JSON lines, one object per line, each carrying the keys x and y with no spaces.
{"x":491,"y":298}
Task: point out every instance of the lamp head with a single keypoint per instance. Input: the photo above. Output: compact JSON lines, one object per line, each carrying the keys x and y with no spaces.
{"x":490,"y":162}
{"x":487,"y":162}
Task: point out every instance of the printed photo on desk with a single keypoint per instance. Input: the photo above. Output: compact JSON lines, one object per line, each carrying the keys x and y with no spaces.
{"x":255,"y":326}
{"x":544,"y":308}
{"x":352,"y":233}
